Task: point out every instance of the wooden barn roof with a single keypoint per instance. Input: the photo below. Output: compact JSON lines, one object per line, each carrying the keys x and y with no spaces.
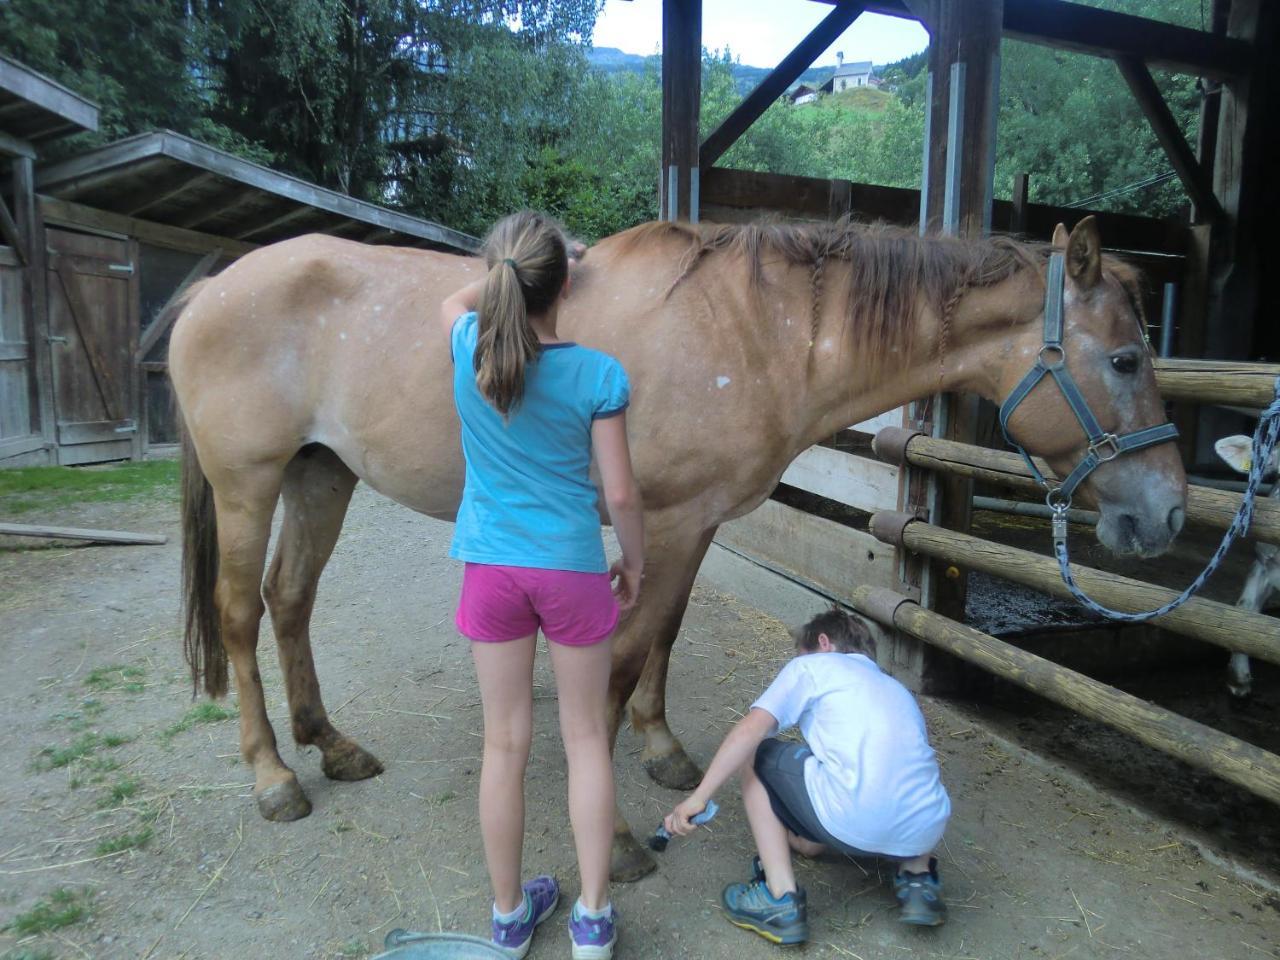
{"x":166,"y":178}
{"x":34,"y":109}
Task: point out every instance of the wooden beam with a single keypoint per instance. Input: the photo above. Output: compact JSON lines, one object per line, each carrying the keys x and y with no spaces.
{"x":295,"y":212}
{"x":15,"y":146}
{"x":1018,"y":212}
{"x":1143,"y":87}
{"x":165,"y":318}
{"x":9,"y":232}
{"x":224,"y":203}
{"x":681,"y":103}
{"x":66,"y":213}
{"x":35,"y":292}
{"x":51,"y":97}
{"x":1105,"y":33}
{"x":776,"y":83}
{"x":81,"y":533}
{"x":154,"y":197}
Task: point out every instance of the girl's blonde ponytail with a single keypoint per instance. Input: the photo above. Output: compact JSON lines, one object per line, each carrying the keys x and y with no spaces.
{"x":528,"y":264}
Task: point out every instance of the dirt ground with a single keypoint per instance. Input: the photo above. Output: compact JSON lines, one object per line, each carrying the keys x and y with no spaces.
{"x":127,"y":802}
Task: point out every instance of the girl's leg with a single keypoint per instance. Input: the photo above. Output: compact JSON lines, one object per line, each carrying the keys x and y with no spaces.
{"x":769,"y":833}
{"x":582,"y":684}
{"x":505,"y":673}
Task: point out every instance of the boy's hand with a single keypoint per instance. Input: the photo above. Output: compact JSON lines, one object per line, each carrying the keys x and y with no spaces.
{"x":677,"y":821}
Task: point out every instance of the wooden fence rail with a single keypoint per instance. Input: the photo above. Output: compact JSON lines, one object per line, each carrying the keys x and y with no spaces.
{"x":1232,"y":628}
{"x":1217,"y":381}
{"x":1232,"y":759}
{"x":1204,"y":504}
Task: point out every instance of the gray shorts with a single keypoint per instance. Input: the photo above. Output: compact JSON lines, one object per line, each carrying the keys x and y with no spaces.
{"x":780,"y":766}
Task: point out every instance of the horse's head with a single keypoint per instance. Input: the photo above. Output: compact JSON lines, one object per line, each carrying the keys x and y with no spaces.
{"x":1141,"y":493}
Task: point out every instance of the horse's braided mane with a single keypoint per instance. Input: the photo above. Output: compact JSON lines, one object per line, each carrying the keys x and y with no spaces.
{"x":893,"y":270}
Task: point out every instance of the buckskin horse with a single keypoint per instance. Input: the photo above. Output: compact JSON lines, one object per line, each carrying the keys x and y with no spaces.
{"x":315,"y":363}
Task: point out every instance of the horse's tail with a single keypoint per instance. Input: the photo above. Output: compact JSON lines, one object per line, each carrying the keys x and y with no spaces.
{"x":202,"y":644}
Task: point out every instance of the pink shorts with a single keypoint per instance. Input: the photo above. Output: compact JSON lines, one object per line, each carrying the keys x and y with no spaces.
{"x":505,"y":603}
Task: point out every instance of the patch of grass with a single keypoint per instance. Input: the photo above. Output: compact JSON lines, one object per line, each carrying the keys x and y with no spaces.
{"x":82,"y":748}
{"x":30,"y":488}
{"x":26,"y":953}
{"x":101,"y":679}
{"x":201,"y":713}
{"x":440,"y":799}
{"x":125,"y":841}
{"x":119,"y":792}
{"x":64,"y":908}
{"x":353,"y":950}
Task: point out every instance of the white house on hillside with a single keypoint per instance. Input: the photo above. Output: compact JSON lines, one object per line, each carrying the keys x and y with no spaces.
{"x":849,"y":76}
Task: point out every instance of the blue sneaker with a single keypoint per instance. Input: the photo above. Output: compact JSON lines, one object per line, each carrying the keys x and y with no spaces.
{"x":541,"y":897}
{"x":783,"y":919}
{"x":921,"y":897}
{"x":593,"y":937}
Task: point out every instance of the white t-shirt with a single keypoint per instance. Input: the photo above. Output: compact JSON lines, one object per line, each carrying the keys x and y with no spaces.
{"x":873,"y":778}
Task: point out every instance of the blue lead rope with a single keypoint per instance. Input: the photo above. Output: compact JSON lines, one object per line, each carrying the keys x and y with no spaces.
{"x":1264,"y":442}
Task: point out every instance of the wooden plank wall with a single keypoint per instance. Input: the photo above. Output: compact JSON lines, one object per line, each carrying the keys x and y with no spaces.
{"x":16,"y":421}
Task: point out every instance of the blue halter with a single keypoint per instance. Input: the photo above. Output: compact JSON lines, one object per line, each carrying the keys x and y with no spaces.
{"x":1105,"y":446}
{"x":1052,"y":361}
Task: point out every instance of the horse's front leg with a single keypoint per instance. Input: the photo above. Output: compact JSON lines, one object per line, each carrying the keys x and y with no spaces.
{"x":673,"y":553}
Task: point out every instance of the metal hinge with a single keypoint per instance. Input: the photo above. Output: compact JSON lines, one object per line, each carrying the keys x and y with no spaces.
{"x":56,"y":340}
{"x":129,"y":426}
{"x":125,"y":268}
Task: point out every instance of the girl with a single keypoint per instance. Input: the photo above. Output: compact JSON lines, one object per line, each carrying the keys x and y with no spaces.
{"x":533,"y":409}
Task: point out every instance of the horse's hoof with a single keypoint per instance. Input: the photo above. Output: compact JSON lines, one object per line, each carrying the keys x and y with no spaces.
{"x":284,"y":802}
{"x":629,"y":861}
{"x":347,"y":760}
{"x":674,"y":770}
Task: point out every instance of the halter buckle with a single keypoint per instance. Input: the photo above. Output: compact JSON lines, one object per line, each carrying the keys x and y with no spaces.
{"x":1052,"y":348}
{"x":1059,"y":503}
{"x":1106,"y":447}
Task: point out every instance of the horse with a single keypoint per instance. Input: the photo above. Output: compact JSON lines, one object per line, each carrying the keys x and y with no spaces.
{"x":1264,"y":574}
{"x":314,"y":363}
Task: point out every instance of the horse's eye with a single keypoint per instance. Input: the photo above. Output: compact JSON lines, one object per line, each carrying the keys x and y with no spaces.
{"x":1125,"y":363}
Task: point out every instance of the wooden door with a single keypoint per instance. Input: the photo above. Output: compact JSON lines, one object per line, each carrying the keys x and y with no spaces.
{"x":93,"y":339}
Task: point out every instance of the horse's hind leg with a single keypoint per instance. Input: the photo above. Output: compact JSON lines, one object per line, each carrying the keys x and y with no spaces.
{"x":317,"y":490}
{"x":244,"y":508}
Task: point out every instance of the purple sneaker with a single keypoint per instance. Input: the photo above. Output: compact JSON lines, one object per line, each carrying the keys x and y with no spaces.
{"x":593,"y":937}
{"x":541,"y":897}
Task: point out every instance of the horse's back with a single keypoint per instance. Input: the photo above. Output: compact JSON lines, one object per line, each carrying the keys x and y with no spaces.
{"x":319,"y":340}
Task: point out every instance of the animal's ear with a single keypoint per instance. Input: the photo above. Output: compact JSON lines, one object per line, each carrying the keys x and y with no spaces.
{"x":1084,"y":254}
{"x":1060,"y":237}
{"x":1237,"y":451}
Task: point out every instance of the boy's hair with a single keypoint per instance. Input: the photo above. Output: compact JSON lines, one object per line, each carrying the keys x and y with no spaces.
{"x":528,"y":262}
{"x":847,"y":633}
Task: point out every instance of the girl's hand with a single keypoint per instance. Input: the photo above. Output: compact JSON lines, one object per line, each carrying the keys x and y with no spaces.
{"x":677,"y":821}
{"x":626,"y":589}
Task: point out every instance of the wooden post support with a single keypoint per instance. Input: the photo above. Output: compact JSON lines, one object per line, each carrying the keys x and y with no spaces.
{"x":35,"y":293}
{"x":1225,"y":756}
{"x":1144,"y":90}
{"x":775,"y":84}
{"x":681,"y":101}
{"x":964,"y":58}
{"x":1021,"y":193}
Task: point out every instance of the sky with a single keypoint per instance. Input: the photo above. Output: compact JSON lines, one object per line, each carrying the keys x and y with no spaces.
{"x":760,"y":32}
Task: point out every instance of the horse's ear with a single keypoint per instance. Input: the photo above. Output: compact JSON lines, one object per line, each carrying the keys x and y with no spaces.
{"x":1084,"y":254}
{"x":1060,"y":237}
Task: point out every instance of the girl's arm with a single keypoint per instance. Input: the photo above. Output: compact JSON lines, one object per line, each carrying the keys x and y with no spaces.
{"x":459,"y":302}
{"x":738,"y":749}
{"x":622,"y":498}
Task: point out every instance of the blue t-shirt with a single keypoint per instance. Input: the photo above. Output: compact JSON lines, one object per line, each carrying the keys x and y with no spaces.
{"x":528,"y":499}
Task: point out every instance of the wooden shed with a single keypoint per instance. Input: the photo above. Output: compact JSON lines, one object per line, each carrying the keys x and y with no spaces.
{"x":119,"y":229}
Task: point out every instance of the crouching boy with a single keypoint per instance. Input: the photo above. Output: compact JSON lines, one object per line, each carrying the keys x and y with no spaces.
{"x":865,"y":782}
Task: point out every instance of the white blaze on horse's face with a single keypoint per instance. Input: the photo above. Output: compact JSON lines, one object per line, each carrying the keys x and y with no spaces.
{"x":1140,"y":495}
